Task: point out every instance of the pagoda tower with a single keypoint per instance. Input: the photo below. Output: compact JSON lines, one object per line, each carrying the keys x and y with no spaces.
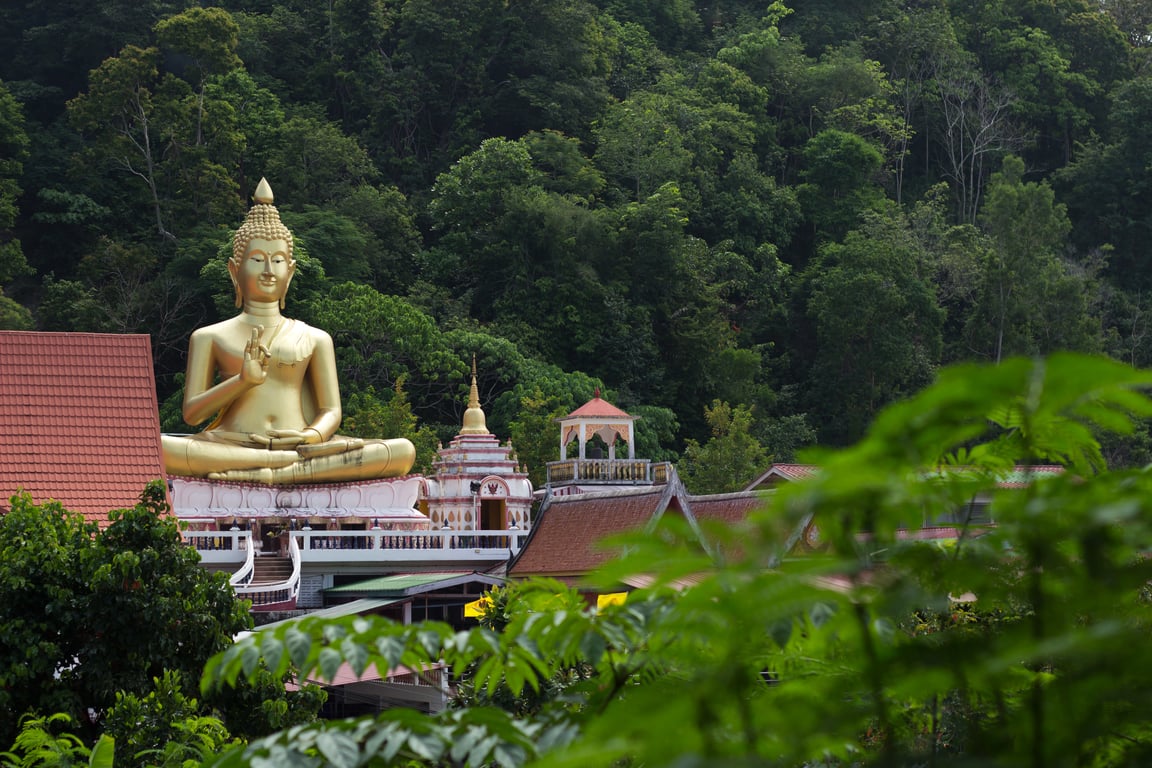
{"x":476,"y":483}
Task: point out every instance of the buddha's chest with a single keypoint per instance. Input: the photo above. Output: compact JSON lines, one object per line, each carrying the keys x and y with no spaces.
{"x":282,"y":358}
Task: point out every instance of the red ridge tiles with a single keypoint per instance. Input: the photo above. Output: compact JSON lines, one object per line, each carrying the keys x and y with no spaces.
{"x":79,"y":421}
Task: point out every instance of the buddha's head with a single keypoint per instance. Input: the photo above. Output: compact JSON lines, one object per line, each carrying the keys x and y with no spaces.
{"x":262,"y":237}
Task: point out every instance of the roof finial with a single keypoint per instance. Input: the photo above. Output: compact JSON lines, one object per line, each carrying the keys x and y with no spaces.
{"x":474,"y":421}
{"x":474,"y":393}
{"x":596,"y":393}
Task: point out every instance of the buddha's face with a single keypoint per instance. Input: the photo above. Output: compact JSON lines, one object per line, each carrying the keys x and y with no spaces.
{"x":265,"y":271}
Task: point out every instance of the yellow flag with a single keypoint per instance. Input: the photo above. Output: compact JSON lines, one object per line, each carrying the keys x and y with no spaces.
{"x":612,"y":598}
{"x":477,"y":608}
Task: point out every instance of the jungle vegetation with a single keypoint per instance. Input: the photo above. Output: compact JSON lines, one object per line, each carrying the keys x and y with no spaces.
{"x":739,"y":219}
{"x":879,"y":226}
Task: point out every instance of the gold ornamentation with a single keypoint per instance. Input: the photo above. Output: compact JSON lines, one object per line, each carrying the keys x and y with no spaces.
{"x":274,"y":425}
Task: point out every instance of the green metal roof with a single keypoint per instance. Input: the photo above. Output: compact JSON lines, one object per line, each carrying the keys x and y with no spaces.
{"x":404,"y":585}
{"x":332,"y":612}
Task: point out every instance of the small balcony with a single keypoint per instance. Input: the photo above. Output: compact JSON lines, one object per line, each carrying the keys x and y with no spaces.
{"x":607,"y":472}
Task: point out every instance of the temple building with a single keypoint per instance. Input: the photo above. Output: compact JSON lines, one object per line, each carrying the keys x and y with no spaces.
{"x":598,"y":493}
{"x":477,"y":483}
{"x":311,"y":543}
{"x":566,"y":542}
{"x":972,"y":519}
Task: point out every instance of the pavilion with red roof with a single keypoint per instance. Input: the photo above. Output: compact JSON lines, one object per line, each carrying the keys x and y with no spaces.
{"x":79,"y":421}
{"x":597,"y":418}
{"x":594,"y":426}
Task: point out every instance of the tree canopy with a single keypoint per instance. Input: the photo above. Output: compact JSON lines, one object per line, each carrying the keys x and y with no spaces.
{"x":90,"y":614}
{"x":685,"y":202}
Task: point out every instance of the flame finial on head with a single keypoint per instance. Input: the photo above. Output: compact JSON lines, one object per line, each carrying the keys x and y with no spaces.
{"x":263,"y":192}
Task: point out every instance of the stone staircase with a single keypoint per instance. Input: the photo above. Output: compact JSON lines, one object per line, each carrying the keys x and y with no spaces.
{"x":271,"y":570}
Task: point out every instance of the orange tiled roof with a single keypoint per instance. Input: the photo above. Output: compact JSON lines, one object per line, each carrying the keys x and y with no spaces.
{"x":1023,"y":475}
{"x":797,"y":471}
{"x":730,"y":508}
{"x":78,"y":421}
{"x":777,"y":473}
{"x":597,"y":408}
{"x":564,"y":539}
{"x":345,"y":675}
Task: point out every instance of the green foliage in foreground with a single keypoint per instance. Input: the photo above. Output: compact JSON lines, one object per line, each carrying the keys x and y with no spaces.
{"x":857,"y":653}
{"x":39,"y":746}
{"x":86,"y":615}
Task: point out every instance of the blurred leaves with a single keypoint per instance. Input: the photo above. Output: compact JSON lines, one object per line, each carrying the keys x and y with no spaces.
{"x":1014,"y":643}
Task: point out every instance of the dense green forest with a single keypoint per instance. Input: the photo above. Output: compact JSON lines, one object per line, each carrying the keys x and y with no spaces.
{"x":773,"y":218}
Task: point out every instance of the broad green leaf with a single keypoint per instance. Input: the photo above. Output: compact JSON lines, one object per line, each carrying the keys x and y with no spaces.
{"x":392,"y":649}
{"x":355,"y":654}
{"x":299,"y":646}
{"x":249,"y":657}
{"x":272,"y":650}
{"x":339,"y":749}
{"x":329,"y":663}
{"x":427,"y":746}
{"x":103,"y":753}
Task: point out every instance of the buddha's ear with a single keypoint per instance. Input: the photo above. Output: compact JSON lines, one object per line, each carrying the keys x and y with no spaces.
{"x":288,"y":282}
{"x":233,"y":267}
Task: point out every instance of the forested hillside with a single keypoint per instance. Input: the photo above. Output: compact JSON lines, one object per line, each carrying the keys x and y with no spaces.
{"x":732,"y":216}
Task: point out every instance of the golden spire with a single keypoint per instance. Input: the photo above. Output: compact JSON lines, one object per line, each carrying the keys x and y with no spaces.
{"x":474,"y":421}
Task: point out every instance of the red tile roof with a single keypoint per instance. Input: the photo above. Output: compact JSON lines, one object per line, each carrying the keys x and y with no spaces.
{"x":795,"y":470}
{"x":730,"y":508}
{"x":940,"y":533}
{"x":345,"y":675}
{"x":78,"y":421}
{"x":778,"y":472}
{"x":564,"y":539}
{"x":597,"y":408}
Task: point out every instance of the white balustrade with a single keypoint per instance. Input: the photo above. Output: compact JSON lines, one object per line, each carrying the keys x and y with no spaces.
{"x":282,"y":592}
{"x":379,"y":545}
{"x":220,"y":547}
{"x":235,"y":548}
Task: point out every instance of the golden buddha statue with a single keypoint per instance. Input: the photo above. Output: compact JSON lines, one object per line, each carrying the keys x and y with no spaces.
{"x":270,"y":381}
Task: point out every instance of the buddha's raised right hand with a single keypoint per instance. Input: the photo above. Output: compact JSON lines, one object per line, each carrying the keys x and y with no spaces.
{"x":254,"y":369}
